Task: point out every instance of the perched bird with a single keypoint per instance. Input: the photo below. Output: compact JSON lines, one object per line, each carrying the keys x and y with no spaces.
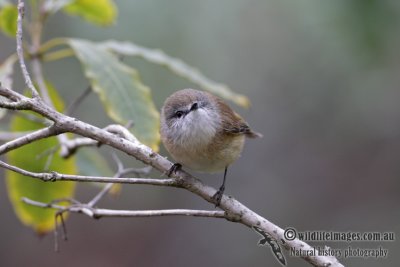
{"x":203,"y":133}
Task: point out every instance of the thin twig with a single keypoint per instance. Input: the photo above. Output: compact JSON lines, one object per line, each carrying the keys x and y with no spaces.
{"x":74,"y":104}
{"x":65,"y":199}
{"x":44,"y":92}
{"x":59,"y":214}
{"x":64,"y":237}
{"x":7,"y":136}
{"x":137,"y":171}
{"x":17,"y":105}
{"x":108,"y":186}
{"x":36,"y":36}
{"x":56,"y":247}
{"x":12,"y":95}
{"x":69,"y":147}
{"x":38,"y":76}
{"x":97,"y":213}
{"x":100,"y":195}
{"x":47,"y":152}
{"x":29,"y":138}
{"x":122,"y":132}
{"x":120,"y":172}
{"x":120,"y":165}
{"x":54,"y":176}
{"x":20,"y":52}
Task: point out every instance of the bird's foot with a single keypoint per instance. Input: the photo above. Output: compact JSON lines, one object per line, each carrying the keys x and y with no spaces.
{"x":174,"y":168}
{"x":218,"y":196}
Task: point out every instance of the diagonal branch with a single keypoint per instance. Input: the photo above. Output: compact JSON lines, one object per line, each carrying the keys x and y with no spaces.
{"x":235,"y":211}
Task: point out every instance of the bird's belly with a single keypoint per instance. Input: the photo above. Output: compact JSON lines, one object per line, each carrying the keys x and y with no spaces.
{"x":211,"y":158}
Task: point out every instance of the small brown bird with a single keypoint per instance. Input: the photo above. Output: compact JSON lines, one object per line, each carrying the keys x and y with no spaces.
{"x":203,"y":133}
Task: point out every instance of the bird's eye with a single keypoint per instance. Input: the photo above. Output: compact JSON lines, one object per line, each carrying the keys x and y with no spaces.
{"x":194,"y":106}
{"x":179,"y":113}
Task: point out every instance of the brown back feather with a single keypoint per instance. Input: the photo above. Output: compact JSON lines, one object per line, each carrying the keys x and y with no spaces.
{"x":233,"y":123}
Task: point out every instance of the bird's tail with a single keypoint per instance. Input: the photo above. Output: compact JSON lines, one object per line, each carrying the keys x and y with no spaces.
{"x":251,"y":134}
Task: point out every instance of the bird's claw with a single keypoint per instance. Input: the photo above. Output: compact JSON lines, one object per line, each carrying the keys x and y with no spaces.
{"x":218,"y":196}
{"x":174,"y":168}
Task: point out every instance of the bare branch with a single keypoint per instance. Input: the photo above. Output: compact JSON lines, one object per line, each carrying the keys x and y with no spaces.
{"x":108,"y":186}
{"x":120,"y":172}
{"x":17,"y":101}
{"x":20,"y":52}
{"x":98,"y":213}
{"x":138,"y":171}
{"x":100,"y":195}
{"x":44,"y":92}
{"x":122,"y":132}
{"x":29,"y":138}
{"x":7,"y":136}
{"x":54,"y":176}
{"x":69,"y":147}
{"x":20,"y":105}
{"x":38,"y":77}
{"x":120,"y":165}
{"x":152,"y":213}
{"x":11,"y":95}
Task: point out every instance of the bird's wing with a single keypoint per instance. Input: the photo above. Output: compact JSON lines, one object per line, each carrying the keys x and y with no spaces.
{"x":233,"y":124}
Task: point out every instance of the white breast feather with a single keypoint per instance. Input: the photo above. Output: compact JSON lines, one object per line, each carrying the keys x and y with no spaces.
{"x":197,"y":129}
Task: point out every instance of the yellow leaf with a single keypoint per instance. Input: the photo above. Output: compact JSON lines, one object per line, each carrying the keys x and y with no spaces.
{"x":8,"y":19}
{"x":100,"y":12}
{"x":31,"y":157}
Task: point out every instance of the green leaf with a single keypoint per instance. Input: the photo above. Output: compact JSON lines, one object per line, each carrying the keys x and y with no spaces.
{"x":178,"y":67}
{"x":8,"y":20}
{"x":120,"y":89}
{"x":6,"y":72}
{"x":91,"y":162}
{"x":100,"y":12}
{"x":31,"y":157}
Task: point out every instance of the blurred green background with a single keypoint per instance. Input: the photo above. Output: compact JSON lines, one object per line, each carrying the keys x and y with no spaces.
{"x":323,"y":78}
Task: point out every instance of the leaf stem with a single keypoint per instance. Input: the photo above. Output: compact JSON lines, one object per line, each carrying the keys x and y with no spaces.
{"x":57,"y":55}
{"x":51,"y":44}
